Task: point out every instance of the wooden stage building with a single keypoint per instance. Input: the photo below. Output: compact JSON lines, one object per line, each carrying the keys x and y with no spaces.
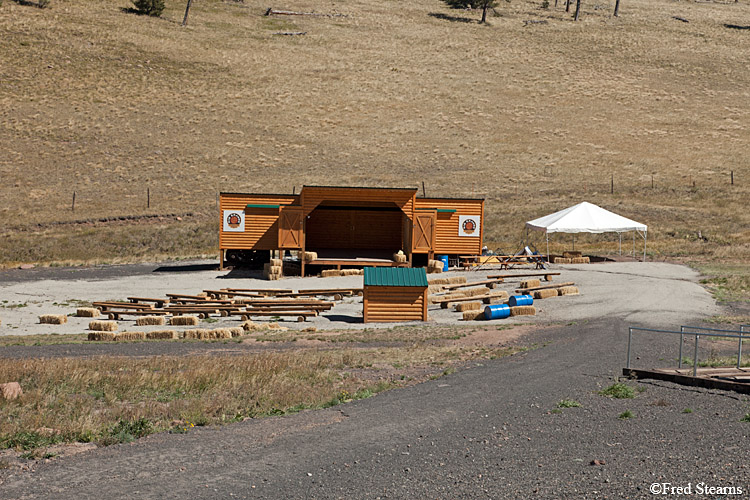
{"x":354,"y":226}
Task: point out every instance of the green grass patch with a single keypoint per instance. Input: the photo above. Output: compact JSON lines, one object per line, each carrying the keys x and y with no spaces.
{"x":618,"y":390}
{"x":568,"y":403}
{"x":626,"y":415}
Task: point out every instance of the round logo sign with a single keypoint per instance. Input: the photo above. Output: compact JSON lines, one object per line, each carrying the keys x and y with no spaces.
{"x":234,"y":220}
{"x":469,"y":226}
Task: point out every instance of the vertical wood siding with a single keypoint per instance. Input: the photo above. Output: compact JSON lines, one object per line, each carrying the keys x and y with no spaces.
{"x":261,"y":224}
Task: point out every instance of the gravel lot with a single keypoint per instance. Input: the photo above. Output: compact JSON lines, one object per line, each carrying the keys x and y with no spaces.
{"x":653,"y":293}
{"x":491,"y":430}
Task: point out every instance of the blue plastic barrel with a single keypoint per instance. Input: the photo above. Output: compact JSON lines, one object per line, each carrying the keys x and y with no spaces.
{"x":497,"y":311}
{"x":444,"y":258}
{"x":520,"y":300}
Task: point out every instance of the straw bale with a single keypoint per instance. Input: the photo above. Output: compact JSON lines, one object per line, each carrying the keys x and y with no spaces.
{"x":329,"y":273}
{"x":236,"y":331}
{"x":580,"y":260}
{"x":545,"y":294}
{"x":102,"y":335}
{"x":249,"y":326}
{"x":276,"y":262}
{"x":310,"y":256}
{"x":435,"y":289}
{"x":276,"y":326}
{"x":127,"y":336}
{"x":568,"y":290}
{"x":274,"y":270}
{"x":162,"y":335}
{"x":571,"y":254}
{"x":198,"y":333}
{"x":87,"y":312}
{"x":202,"y":294}
{"x":149,"y":320}
{"x":53,"y":319}
{"x":473,"y":292}
{"x":310,"y":329}
{"x":220,"y":333}
{"x":495,"y":300}
{"x":468,"y":306}
{"x":530,"y":283}
{"x":562,"y":260}
{"x":399,"y":257}
{"x":184,"y":320}
{"x":274,"y":276}
{"x":473,"y":315}
{"x":103,"y":326}
{"x":456,"y":280}
{"x":434,"y":270}
{"x":439,"y":281}
{"x":523,"y":311}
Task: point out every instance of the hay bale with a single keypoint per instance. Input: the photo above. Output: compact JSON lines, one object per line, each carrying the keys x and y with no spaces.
{"x":330,"y":273}
{"x":197,"y":333}
{"x":274,"y":270}
{"x":571,"y":254}
{"x":249,"y":326}
{"x":580,"y":260}
{"x":498,"y":297}
{"x":473,"y":315}
{"x":530,"y":283}
{"x":10,"y":391}
{"x":439,"y":281}
{"x":184,"y":321}
{"x":276,"y":262}
{"x":435,"y":289}
{"x":309,"y":256}
{"x":87,"y":312}
{"x":456,"y":280}
{"x":545,"y":294}
{"x":236,"y":331}
{"x":129,"y":336}
{"x":221,"y":333}
{"x":162,"y":335}
{"x":107,"y":336}
{"x":274,"y":276}
{"x":149,"y":321}
{"x":276,"y":326}
{"x":399,"y":257}
{"x":468,"y":306}
{"x":103,"y":326}
{"x":473,"y":292}
{"x":562,"y":260}
{"x":53,"y":319}
{"x":568,"y":290}
{"x":523,"y":311}
{"x":310,"y":329}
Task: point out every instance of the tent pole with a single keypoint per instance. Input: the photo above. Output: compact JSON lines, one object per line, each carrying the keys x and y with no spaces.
{"x":547,"y":235}
{"x":634,"y":244}
{"x":574,"y":242}
{"x":620,"y":235}
{"x":645,"y":237}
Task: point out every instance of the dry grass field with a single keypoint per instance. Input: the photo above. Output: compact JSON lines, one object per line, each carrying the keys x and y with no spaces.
{"x":532,"y":116}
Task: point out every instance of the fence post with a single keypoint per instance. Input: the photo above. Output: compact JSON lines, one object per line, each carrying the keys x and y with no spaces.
{"x":73,"y":208}
{"x":682,"y":336}
{"x":695,"y":356}
{"x":630,"y":341}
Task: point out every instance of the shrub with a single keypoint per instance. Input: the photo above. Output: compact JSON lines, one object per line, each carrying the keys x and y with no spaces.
{"x":626,"y":415}
{"x":568,"y":403}
{"x":149,"y":7}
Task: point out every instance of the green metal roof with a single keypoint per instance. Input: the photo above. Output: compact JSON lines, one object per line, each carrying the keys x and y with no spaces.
{"x":441,"y":210}
{"x":395,"y":276}
{"x":260,"y":205}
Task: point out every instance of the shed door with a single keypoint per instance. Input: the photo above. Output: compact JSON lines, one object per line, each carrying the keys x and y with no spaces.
{"x":423,"y":233}
{"x":290,"y":227}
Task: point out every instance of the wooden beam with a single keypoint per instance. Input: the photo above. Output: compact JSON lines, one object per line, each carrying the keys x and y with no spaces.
{"x":544,"y":287}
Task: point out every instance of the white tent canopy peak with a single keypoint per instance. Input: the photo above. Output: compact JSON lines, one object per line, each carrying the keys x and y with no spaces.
{"x":585,"y":218}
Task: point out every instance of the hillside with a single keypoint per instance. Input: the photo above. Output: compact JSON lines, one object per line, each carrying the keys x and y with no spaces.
{"x":532,"y":116}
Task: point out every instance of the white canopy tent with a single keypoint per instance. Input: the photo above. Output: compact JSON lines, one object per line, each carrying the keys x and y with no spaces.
{"x":588,"y":218}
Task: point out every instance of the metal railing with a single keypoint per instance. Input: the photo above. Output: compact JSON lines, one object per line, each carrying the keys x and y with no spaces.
{"x":696,"y":332}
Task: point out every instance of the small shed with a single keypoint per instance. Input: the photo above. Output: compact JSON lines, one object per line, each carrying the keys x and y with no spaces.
{"x":394,"y":294}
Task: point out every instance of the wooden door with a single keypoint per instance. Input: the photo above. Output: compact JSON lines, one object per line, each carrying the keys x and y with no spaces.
{"x":290,"y":227}
{"x":423,"y":231}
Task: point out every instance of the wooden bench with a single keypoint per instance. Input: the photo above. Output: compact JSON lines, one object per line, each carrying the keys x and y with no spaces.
{"x":127,"y":306}
{"x":157,"y":302}
{"x":544,"y":287}
{"x":445,"y":303}
{"x":115,"y":315}
{"x":301,"y":315}
{"x":547,"y":275}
